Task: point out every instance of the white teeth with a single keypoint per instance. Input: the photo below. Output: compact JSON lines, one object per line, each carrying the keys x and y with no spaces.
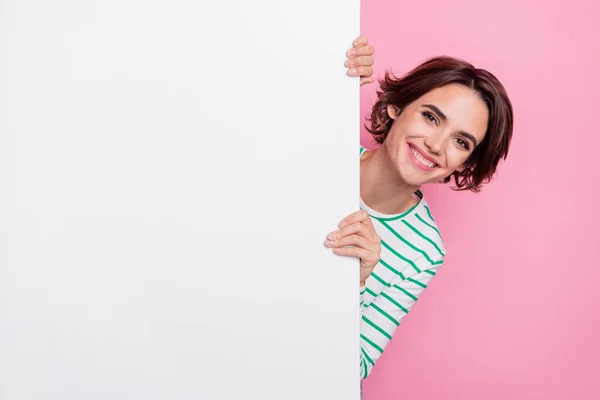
{"x":422,"y":160}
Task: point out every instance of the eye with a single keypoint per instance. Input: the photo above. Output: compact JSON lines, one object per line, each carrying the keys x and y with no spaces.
{"x":430,"y":117}
{"x":463,"y":143}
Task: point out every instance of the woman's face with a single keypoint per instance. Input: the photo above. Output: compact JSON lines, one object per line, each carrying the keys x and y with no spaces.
{"x":434,"y":135}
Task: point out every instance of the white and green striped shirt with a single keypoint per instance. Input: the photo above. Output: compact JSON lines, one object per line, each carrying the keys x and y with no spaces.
{"x":412,"y":250}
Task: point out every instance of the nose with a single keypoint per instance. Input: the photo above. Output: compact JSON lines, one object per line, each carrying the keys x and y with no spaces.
{"x":434,"y":143}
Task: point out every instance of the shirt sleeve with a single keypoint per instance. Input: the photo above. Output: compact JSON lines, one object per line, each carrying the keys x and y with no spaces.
{"x":383,"y":315}
{"x":363,"y":289}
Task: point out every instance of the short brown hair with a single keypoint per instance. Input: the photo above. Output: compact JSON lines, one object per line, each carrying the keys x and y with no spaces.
{"x":441,"y":71}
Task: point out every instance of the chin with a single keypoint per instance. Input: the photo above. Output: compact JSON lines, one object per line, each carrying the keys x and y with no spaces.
{"x":416,"y":182}
{"x":413,"y":178}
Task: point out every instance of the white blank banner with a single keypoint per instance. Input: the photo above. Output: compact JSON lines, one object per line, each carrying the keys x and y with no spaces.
{"x":168,"y":173}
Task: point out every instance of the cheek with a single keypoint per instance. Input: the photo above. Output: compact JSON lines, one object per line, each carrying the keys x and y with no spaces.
{"x":417,"y":126}
{"x":456,"y":158}
{"x":401,"y":131}
{"x":395,"y":136}
{"x":406,"y":127}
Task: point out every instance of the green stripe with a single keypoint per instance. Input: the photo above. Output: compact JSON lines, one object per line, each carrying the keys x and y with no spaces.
{"x":430,"y":272}
{"x":417,"y":283}
{"x":374,"y":275}
{"x":395,"y":302}
{"x":429,"y":225}
{"x":415,"y":248}
{"x":387,"y":246}
{"x":364,"y":367}
{"x":372,"y":343}
{"x":372,"y":293}
{"x":384,"y":333}
{"x":367,"y":356}
{"x":388,"y":266}
{"x":396,"y":286}
{"x":429,"y":213}
{"x":388,"y":316}
{"x":406,"y":292}
{"x":362,"y":149}
{"x":415,"y":230}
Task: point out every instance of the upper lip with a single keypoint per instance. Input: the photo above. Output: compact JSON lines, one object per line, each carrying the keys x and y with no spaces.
{"x":422,"y":153}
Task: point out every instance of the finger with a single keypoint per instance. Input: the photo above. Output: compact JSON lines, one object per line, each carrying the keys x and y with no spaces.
{"x":368,"y":223}
{"x":362,"y":61}
{"x":365,"y":50}
{"x":360,"y":41}
{"x":356,"y":216}
{"x":371,"y":233}
{"x":352,"y":240}
{"x":361,"y":51}
{"x":365,"y":81}
{"x":364,"y":226}
{"x":365,"y":230}
{"x":351,"y":229}
{"x":351,"y":252}
{"x":364,"y":72}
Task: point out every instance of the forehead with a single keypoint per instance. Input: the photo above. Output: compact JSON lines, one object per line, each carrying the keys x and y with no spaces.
{"x":463,"y":107}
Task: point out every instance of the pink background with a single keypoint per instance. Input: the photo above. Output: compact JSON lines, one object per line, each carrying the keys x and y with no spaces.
{"x":515,"y":311}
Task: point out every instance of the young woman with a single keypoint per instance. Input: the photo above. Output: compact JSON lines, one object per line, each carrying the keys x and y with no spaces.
{"x":444,"y":120}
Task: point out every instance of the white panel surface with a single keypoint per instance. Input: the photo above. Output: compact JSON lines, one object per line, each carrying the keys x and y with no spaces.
{"x":168,"y":173}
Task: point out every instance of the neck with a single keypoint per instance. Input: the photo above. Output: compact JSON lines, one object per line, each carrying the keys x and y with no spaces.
{"x":381,"y":188}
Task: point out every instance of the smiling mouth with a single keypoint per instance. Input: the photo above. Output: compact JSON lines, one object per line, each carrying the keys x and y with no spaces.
{"x":420,"y":159}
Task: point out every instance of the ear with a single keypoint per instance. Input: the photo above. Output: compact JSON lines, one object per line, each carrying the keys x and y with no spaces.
{"x":393,"y":111}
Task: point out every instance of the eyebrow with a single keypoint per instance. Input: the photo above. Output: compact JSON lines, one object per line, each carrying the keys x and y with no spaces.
{"x":444,"y":118}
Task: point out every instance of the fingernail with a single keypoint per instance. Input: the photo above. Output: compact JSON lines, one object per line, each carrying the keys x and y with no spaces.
{"x":348,"y":63}
{"x":332,"y":236}
{"x":341,"y":224}
{"x":351,"y":53}
{"x":352,"y":72}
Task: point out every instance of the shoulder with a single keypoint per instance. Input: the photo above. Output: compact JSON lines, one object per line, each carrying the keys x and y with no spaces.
{"x":414,"y":237}
{"x":425,"y":230}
